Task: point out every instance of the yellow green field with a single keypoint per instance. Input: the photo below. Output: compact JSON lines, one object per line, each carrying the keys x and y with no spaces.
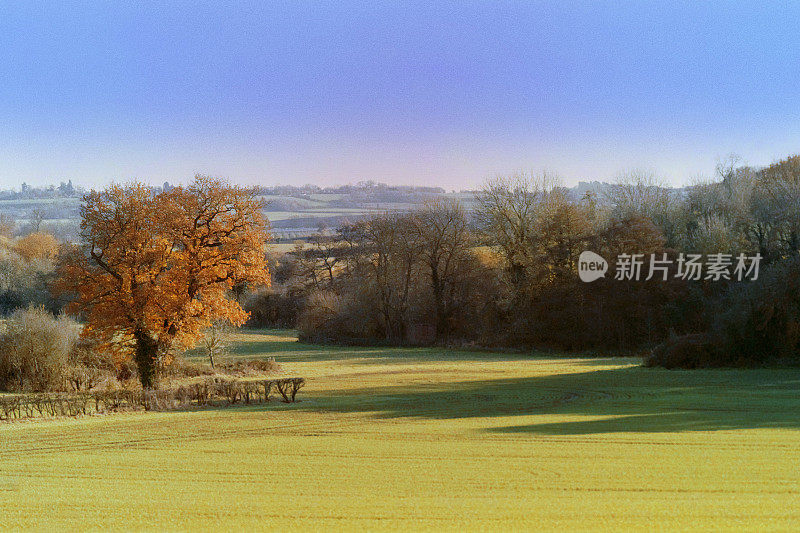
{"x":428,"y":439}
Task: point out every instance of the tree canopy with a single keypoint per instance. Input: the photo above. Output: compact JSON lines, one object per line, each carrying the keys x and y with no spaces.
{"x":156,"y":268}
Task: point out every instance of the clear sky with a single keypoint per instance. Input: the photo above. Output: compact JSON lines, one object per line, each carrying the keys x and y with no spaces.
{"x":433,"y":93}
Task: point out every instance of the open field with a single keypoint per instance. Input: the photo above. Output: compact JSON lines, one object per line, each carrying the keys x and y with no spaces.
{"x":428,"y":439}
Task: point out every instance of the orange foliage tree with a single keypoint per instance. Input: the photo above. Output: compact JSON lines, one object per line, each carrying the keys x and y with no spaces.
{"x":37,"y":246}
{"x":156,"y":268}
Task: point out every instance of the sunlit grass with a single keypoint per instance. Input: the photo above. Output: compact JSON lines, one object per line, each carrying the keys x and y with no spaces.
{"x":391,"y":438}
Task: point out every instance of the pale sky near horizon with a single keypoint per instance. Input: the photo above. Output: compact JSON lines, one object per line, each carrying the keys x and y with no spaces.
{"x":428,"y":93}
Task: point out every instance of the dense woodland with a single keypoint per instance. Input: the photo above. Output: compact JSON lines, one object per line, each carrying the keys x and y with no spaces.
{"x":160,"y":270}
{"x":504,"y":275}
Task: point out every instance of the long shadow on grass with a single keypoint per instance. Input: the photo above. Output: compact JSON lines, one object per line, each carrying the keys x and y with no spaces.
{"x":630,"y":399}
{"x":284,"y":347}
{"x":296,"y":352}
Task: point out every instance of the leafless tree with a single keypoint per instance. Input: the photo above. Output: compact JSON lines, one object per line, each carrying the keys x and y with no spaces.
{"x":442,"y":230}
{"x":36,"y":218}
{"x":507,"y":214}
{"x":643,"y":193}
{"x":217,"y":340}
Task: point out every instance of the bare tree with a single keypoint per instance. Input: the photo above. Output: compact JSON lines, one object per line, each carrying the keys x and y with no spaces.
{"x":36,"y":218}
{"x":780,"y":183}
{"x":444,"y":246}
{"x":384,"y":252}
{"x":639,"y":192}
{"x":318,"y":261}
{"x":217,"y":340}
{"x":642,"y":193}
{"x":507,"y":214}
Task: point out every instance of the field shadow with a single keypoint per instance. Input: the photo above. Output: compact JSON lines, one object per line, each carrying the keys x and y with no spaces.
{"x":632,"y":399}
{"x":285,"y":348}
{"x":625,"y":398}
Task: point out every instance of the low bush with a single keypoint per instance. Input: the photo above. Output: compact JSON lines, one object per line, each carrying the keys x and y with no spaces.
{"x":250,"y":367}
{"x":34,"y":350}
{"x":181,"y":368}
{"x":273,"y":308}
{"x":328,"y":317}
{"x":698,"y":350}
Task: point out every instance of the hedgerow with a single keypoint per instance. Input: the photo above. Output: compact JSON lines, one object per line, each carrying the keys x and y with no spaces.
{"x":211,"y":392}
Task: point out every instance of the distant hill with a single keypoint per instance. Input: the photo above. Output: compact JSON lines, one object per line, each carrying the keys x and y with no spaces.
{"x":294,"y":212}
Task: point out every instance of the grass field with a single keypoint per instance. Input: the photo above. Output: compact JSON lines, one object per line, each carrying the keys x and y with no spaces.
{"x":428,"y":439}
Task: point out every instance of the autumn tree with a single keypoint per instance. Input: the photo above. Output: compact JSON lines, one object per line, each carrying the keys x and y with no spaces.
{"x":37,"y":246}
{"x":562,"y":230}
{"x":156,"y":267}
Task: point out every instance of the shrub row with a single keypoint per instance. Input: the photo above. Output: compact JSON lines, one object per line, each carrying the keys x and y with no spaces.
{"x":757,"y":324}
{"x":213,"y":391}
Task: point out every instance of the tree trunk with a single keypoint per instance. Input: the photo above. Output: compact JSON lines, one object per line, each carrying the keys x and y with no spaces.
{"x":438,"y":299}
{"x":145,"y":355}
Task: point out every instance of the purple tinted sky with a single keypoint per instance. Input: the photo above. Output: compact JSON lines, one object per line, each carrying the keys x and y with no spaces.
{"x":448,"y":94}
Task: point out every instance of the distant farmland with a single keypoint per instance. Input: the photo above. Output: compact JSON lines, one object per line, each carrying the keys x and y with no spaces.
{"x":294,"y":214}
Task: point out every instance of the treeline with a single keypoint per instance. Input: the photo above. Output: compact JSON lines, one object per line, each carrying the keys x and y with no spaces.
{"x":503,"y":274}
{"x":360,"y":187}
{"x":506,"y":274}
{"x":65,"y":189}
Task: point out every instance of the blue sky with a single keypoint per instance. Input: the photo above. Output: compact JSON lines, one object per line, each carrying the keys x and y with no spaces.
{"x":445,"y":93}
